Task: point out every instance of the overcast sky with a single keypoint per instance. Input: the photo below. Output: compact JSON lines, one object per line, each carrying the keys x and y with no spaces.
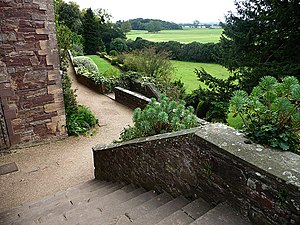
{"x":180,"y":11}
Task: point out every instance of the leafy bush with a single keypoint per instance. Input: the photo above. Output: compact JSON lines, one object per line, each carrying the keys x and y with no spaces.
{"x":119,"y":45}
{"x":158,"y":118}
{"x":155,"y":67}
{"x":271,"y":113}
{"x":85,"y":66}
{"x":212,"y":103}
{"x":79,"y":119}
{"x":113,"y":53}
{"x":83,"y":62}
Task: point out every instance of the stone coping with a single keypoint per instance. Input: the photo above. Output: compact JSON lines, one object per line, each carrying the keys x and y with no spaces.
{"x":282,"y":165}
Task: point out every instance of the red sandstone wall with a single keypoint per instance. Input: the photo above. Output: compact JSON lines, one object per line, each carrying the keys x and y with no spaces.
{"x":30,"y":83}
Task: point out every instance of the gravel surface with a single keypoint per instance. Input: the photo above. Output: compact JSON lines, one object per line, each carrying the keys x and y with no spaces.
{"x":48,"y":168}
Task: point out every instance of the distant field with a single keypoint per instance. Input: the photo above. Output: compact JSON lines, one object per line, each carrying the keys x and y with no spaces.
{"x":186,"y":72}
{"x":103,"y":65}
{"x":183,"y":36}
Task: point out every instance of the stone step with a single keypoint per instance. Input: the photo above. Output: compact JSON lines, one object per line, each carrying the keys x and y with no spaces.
{"x":21,"y":210}
{"x":222,"y":214}
{"x":102,"y":203}
{"x":74,"y":214}
{"x":148,"y":206}
{"x":99,"y":207}
{"x":64,"y":204}
{"x":197,"y":208}
{"x":112,"y":215}
{"x":188,"y":213}
{"x":161,"y":212}
{"x":179,"y":218}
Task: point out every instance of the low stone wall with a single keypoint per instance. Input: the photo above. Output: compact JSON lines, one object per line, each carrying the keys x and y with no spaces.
{"x":147,"y":89}
{"x":130,"y":99}
{"x":99,"y":88}
{"x":212,"y":162}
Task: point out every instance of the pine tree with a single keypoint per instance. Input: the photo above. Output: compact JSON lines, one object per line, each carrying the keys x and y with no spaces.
{"x":90,"y":33}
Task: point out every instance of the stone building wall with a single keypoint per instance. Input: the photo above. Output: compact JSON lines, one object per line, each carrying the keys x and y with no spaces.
{"x":30,"y":84}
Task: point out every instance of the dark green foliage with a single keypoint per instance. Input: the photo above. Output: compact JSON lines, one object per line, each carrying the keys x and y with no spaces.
{"x":192,"y":52}
{"x":118,"y":45}
{"x":81,"y":122}
{"x":68,"y":14}
{"x":66,"y":29}
{"x":262,"y":39}
{"x":79,"y":119}
{"x":212,"y":103}
{"x":271,"y":113}
{"x":90,"y":33}
{"x":141,"y":24}
{"x":69,"y":96}
{"x":125,"y":26}
{"x":153,"y":26}
{"x":159,"y":118}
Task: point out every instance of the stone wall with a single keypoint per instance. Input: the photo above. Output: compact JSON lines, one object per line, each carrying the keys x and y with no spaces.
{"x":212,"y":162}
{"x":30,"y":83}
{"x":130,"y":98}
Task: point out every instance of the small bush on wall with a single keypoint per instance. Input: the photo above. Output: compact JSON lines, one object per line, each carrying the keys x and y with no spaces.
{"x":159,"y":118}
{"x":271,"y":113}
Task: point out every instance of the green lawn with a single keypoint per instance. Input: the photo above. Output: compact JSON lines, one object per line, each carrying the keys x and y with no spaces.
{"x":184,"y":36}
{"x":104,"y":67}
{"x":186,"y":72}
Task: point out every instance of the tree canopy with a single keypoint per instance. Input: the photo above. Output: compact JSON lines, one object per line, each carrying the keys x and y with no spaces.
{"x":141,"y":24}
{"x":262,"y":39}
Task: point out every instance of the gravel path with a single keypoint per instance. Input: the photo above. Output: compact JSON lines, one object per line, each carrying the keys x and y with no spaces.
{"x":55,"y":166}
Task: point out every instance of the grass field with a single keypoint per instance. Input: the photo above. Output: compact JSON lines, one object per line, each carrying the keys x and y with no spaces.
{"x":186,"y":72}
{"x":183,"y":36}
{"x":103,"y":66}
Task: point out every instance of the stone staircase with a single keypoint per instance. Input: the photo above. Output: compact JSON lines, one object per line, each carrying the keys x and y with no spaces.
{"x":104,"y":203}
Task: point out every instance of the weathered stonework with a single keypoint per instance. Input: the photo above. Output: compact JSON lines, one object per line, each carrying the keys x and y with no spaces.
{"x":212,"y":162}
{"x":30,"y":83}
{"x":130,"y":99}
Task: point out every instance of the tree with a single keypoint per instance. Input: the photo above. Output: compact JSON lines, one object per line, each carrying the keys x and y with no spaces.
{"x":262,"y":39}
{"x":90,"y":32}
{"x":119,"y":45}
{"x":69,"y":15}
{"x":196,"y":23}
{"x":126,"y":27}
{"x":153,"y":26}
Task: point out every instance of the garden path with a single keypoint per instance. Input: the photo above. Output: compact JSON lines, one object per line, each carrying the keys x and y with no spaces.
{"x":57,"y":165}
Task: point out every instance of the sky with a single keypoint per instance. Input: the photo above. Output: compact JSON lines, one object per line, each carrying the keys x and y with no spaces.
{"x":178,"y":11}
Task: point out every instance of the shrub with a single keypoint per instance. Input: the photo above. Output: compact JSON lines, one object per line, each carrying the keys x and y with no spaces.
{"x":86,"y":63}
{"x":79,"y":119}
{"x":155,"y":67}
{"x":119,"y":45}
{"x":271,"y":113}
{"x":113,"y":53}
{"x":212,"y":103}
{"x":158,"y":118}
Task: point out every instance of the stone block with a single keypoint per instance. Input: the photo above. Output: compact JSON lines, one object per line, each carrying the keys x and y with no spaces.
{"x":41,"y":31}
{"x":52,"y":107}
